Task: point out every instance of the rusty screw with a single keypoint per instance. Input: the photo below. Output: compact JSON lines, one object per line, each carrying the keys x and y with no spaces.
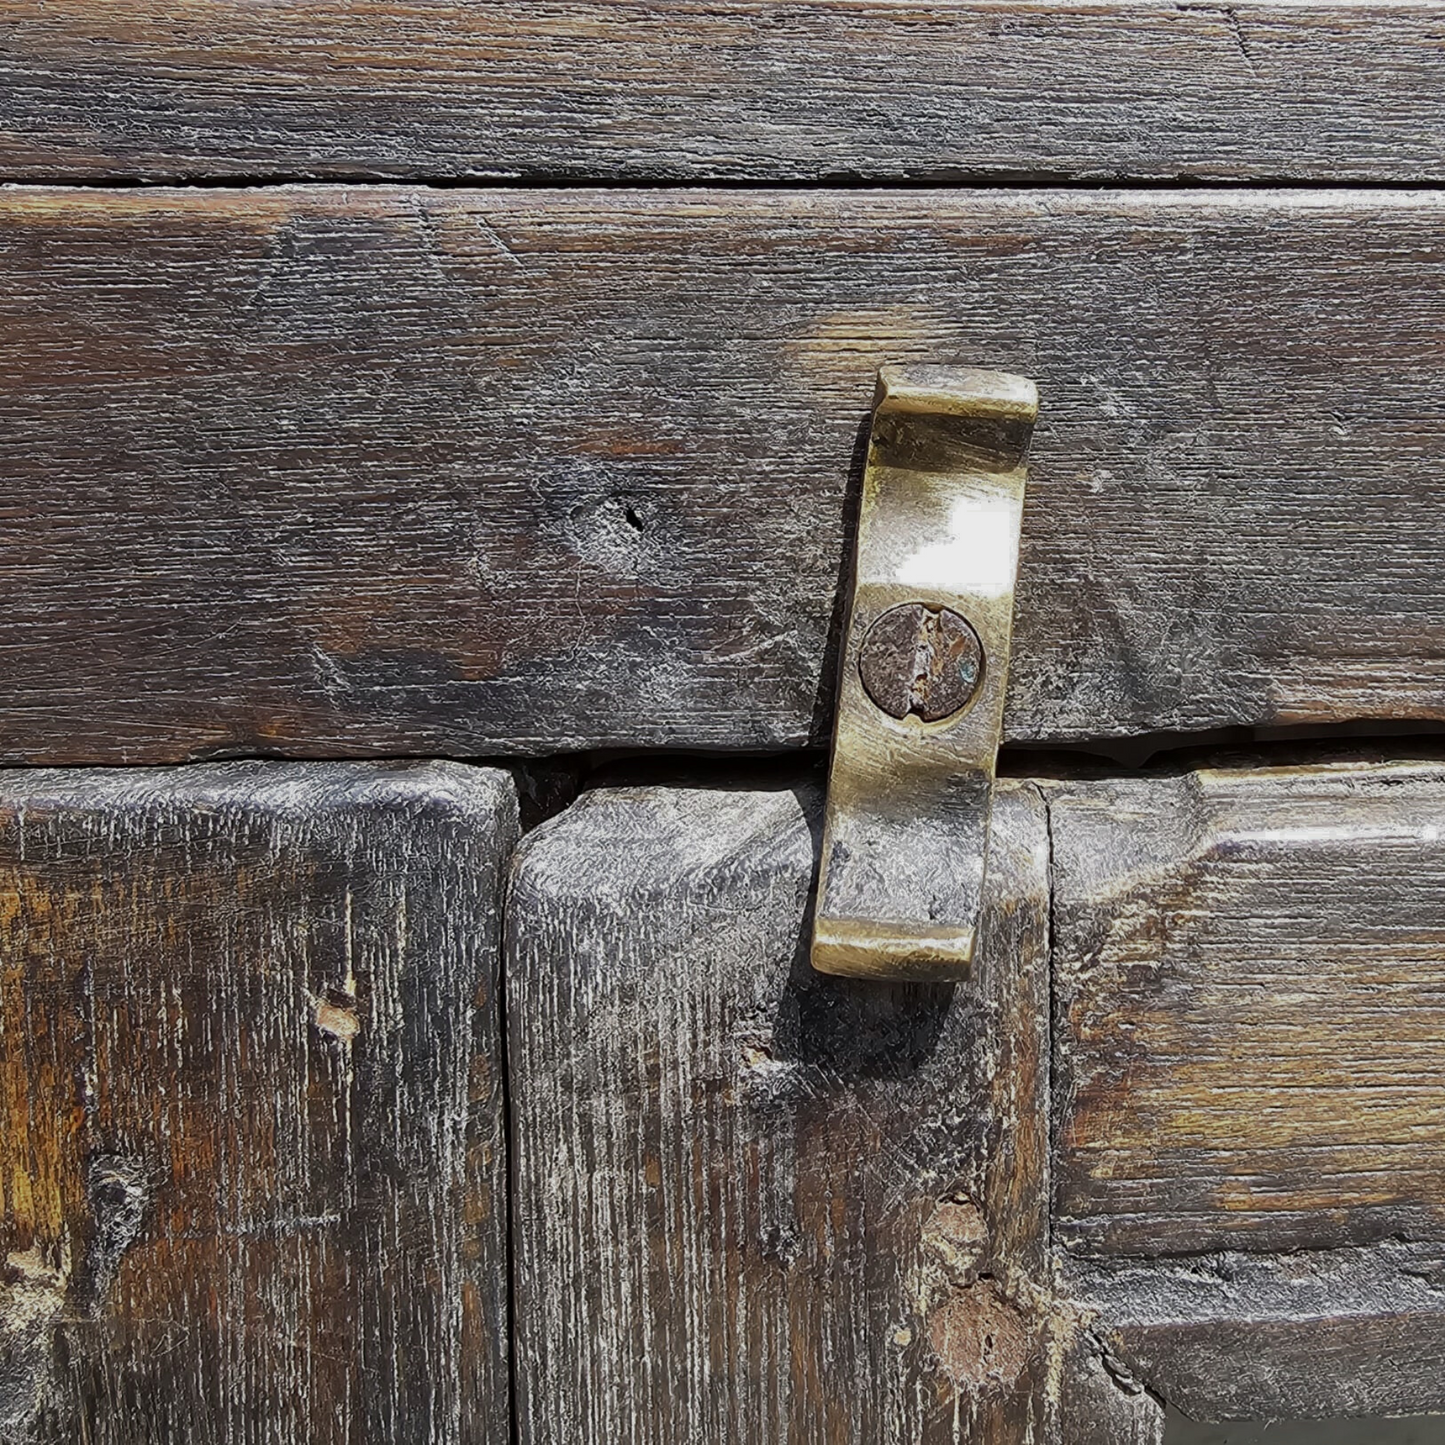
{"x":922,"y":660}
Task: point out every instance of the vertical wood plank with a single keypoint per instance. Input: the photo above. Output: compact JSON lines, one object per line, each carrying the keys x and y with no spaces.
{"x":753,"y":1203}
{"x":255,"y":1188}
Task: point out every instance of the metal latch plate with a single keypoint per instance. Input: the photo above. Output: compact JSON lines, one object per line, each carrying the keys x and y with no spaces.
{"x":924,"y":673}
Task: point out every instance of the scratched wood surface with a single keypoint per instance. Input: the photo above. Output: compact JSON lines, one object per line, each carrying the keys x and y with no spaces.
{"x":1249,"y":1050}
{"x":735,"y":88}
{"x":325,"y":471}
{"x":252,"y":1180}
{"x":755,"y":1203}
{"x":1312,"y":1334}
{"x":1251,"y":1014}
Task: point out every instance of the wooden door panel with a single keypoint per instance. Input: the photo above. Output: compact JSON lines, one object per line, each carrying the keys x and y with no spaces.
{"x":750,"y":1195}
{"x":642,"y":89}
{"x":322,"y":471}
{"x":252,"y":1171}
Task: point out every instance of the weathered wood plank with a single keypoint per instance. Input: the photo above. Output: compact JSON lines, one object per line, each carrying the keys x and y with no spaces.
{"x":252,"y":1174}
{"x":732,"y":88}
{"x":761,"y":1174}
{"x":321,"y":472}
{"x":1098,"y":1402}
{"x":1314,"y":1335}
{"x":753,"y":1202}
{"x":1250,"y":1044}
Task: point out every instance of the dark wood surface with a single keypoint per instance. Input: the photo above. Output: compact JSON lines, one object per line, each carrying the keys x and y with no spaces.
{"x":733,"y":89}
{"x":753,"y":1202}
{"x":252,"y":1172}
{"x":1251,"y":1020}
{"x":322,"y":471}
{"x":751,"y":1195}
{"x":1313,"y":1334}
{"x":354,"y":471}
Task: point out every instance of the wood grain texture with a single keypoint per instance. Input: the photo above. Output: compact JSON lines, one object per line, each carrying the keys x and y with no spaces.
{"x":733,"y":89}
{"x":753,"y":1202}
{"x":1250,"y":1042}
{"x":335,"y":472}
{"x":252,"y":1176}
{"x":1099,"y":1401}
{"x":1315,"y":1335}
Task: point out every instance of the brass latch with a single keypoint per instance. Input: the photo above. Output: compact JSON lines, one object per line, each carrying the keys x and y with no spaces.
{"x":924,"y":670}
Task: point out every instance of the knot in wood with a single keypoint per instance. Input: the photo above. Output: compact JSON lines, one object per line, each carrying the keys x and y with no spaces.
{"x":922,"y":660}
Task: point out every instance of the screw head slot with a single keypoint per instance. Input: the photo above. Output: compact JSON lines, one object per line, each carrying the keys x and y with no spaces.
{"x":921,"y":660}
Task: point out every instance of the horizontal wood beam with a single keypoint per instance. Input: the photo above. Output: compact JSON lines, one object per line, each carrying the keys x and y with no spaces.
{"x":641,"y":89}
{"x":322,"y":471}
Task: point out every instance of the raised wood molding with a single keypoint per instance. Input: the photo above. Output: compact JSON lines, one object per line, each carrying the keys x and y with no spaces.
{"x":1251,"y":1018}
{"x":1249,"y":1052}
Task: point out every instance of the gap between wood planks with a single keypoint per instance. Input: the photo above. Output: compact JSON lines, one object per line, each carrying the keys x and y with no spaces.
{"x":948,"y":180}
{"x":547,"y":783}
